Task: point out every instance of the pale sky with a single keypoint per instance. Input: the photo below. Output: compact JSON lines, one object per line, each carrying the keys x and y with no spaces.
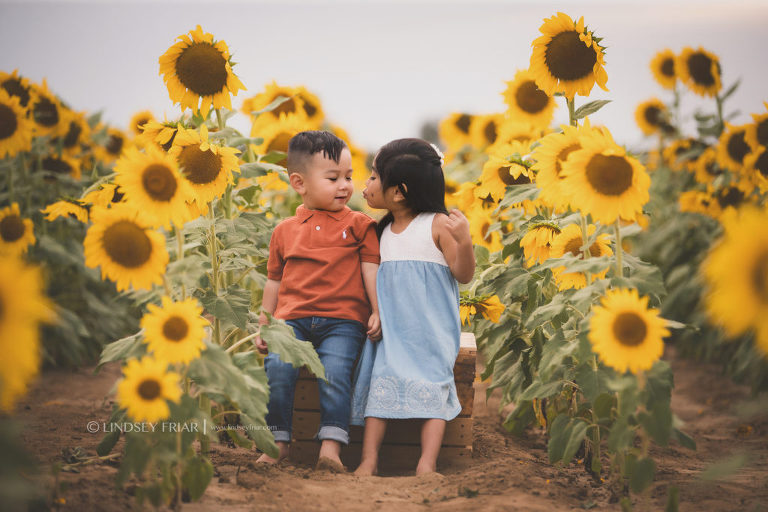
{"x":379,"y":68}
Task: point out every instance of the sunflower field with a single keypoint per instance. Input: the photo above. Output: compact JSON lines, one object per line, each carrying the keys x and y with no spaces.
{"x":147,"y":249}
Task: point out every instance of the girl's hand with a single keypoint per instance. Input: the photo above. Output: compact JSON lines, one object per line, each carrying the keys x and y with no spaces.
{"x":374,"y":327}
{"x":458,"y":226}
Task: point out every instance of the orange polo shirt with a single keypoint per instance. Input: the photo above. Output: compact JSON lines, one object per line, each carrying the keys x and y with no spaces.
{"x":316,"y":255}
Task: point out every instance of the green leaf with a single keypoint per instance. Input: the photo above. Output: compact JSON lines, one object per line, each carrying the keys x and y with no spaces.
{"x":730,"y":90}
{"x":591,"y":382}
{"x":107,"y":443}
{"x":281,"y":340}
{"x":673,"y":499}
{"x":122,"y":349}
{"x":232,"y":306}
{"x":641,"y":473}
{"x":566,"y":435}
{"x":256,"y":169}
{"x":658,"y":422}
{"x":272,"y":106}
{"x":684,"y":439}
{"x":602,"y":406}
{"x":196,"y":477}
{"x":621,"y":436}
{"x":518,"y":193}
{"x":540,"y":390}
{"x":725,"y":467}
{"x":590,"y":108}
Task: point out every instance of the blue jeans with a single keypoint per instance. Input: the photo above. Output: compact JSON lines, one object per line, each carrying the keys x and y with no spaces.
{"x":337,"y":342}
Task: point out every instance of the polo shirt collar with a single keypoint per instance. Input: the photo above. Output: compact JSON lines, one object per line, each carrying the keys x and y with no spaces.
{"x":303,"y":213}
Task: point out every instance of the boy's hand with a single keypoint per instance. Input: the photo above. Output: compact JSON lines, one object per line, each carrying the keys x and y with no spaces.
{"x":260,"y":344}
{"x":374,"y":327}
{"x":458,"y":226}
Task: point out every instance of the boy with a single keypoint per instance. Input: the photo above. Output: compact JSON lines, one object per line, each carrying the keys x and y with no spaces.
{"x":321,"y":279}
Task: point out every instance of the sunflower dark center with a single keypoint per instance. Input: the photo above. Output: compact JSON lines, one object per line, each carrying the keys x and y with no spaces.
{"x":167,"y":146}
{"x":713,"y":169}
{"x":568,"y":58}
{"x":463,"y":122}
{"x":115,"y":144}
{"x":609,"y":175}
{"x":309,"y":108}
{"x":14,"y":87}
{"x":700,"y":68}
{"x":629,"y":329}
{"x":286,"y":107}
{"x":200,"y":167}
{"x":762,"y":132}
{"x":668,"y":67}
{"x":159,"y":182}
{"x":760,"y":276}
{"x":484,"y":231}
{"x":45,"y":112}
{"x":141,"y":122}
{"x":202,"y":69}
{"x":56,"y":165}
{"x":8,"y":121}
{"x":761,"y":164}
{"x":506,"y":177}
{"x":280,"y":143}
{"x":12,"y":228}
{"x":574,"y":247}
{"x":149,"y":389}
{"x":730,"y":197}
{"x":117,"y":195}
{"x":563,"y":155}
{"x":490,"y":132}
{"x":530,"y":98}
{"x":738,"y":147}
{"x":175,"y":328}
{"x":73,"y":135}
{"x":126,"y":244}
{"x":653,"y":116}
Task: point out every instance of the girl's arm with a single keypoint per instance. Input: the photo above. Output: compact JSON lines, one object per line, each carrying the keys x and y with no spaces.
{"x":451,"y":235}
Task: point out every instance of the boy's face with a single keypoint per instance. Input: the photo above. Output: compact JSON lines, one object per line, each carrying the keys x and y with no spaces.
{"x":325,"y":184}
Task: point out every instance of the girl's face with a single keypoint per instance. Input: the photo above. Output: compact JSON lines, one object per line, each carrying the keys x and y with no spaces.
{"x":373,"y":192}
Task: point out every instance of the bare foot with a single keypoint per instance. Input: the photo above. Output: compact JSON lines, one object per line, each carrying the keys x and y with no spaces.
{"x":424,"y":468}
{"x":266,"y":459}
{"x":328,"y":464}
{"x":366,"y":469}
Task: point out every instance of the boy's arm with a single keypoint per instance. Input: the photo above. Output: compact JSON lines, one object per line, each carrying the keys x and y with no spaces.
{"x":369,"y":281}
{"x":455,"y":241}
{"x":268,"y":304}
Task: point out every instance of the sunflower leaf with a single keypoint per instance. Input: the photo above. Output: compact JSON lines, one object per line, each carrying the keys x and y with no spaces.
{"x":130,"y":346}
{"x":232,"y":306}
{"x":590,"y":108}
{"x":518,"y":193}
{"x":281,"y":340}
{"x":731,"y":90}
{"x":272,"y":106}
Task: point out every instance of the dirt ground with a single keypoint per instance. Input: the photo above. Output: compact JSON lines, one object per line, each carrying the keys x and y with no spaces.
{"x":506,"y":472}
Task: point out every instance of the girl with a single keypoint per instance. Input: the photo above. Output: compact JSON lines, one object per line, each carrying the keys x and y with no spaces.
{"x":424,"y":251}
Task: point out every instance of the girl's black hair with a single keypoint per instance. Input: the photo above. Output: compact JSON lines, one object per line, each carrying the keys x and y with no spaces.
{"x":415,"y":168}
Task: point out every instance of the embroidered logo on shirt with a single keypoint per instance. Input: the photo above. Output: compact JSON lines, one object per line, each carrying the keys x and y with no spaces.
{"x":344,"y":234}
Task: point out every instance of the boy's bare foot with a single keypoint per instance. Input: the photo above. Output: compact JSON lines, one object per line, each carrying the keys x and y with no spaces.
{"x":266,"y":459}
{"x":366,"y":469}
{"x":424,"y":468}
{"x":327,"y":464}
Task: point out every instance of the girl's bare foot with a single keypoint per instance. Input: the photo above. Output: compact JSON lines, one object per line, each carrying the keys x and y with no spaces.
{"x":366,"y":468}
{"x":266,"y":459}
{"x":424,"y":467}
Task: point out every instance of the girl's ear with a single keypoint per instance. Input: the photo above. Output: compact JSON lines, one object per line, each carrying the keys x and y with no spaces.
{"x":297,"y":182}
{"x":398,"y":195}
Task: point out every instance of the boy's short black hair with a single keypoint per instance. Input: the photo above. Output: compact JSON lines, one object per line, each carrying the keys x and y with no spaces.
{"x":305,"y":144}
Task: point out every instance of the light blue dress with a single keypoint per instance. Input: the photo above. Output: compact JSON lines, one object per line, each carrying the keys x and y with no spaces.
{"x":409,"y":373}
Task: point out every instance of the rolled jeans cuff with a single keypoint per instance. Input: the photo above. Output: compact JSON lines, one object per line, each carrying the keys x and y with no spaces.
{"x":282,"y":436}
{"x":333,"y":433}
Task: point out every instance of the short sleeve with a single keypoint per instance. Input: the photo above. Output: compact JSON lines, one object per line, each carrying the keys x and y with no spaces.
{"x":275,"y":263}
{"x":369,"y":242}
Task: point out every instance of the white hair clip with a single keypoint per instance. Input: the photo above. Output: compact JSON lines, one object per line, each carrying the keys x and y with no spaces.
{"x":439,"y":153}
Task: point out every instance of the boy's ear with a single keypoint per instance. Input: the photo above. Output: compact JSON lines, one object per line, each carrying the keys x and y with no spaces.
{"x":297,"y":182}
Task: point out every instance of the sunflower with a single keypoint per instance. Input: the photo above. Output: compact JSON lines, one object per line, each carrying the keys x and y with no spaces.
{"x":128,"y":252}
{"x":66,"y":209}
{"x":484,"y":130}
{"x":569,"y":241}
{"x":277,"y":136}
{"x":526,"y":102}
{"x":17,"y":86}
{"x":736,"y":271}
{"x":732,"y":196}
{"x":706,"y":167}
{"x":272,"y":181}
{"x":15,"y":127}
{"x":553,"y":150}
{"x":115,"y":143}
{"x":207,"y":167}
{"x":454,"y":130}
{"x":625,"y":332}
{"x":757,"y":163}
{"x":487,"y":305}
{"x":663,"y":68}
{"x":311,"y":106}
{"x":104,"y":196}
{"x":46,"y":112}
{"x":510,"y":131}
{"x":651,"y":116}
{"x":602,"y":180}
{"x":145,"y":389}
{"x":505,"y":167}
{"x":153,"y":185}
{"x":62,"y":166}
{"x":757,"y":132}
{"x":292,"y":106}
{"x":162,"y":134}
{"x":682,"y":154}
{"x":198,"y":70}
{"x":75,"y":136}
{"x":138,"y":120}
{"x":480,"y":221}
{"x":23,"y":305}
{"x":696,"y":201}
{"x":537,"y":242}
{"x":699,"y":70}
{"x":567,"y":58}
{"x":16,"y":232}
{"x":174,"y":331}
{"x":733,"y":147}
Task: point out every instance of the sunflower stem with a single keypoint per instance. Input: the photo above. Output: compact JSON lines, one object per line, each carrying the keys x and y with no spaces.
{"x":205,"y":406}
{"x":571,"y":102}
{"x":167,"y":287}
{"x":180,"y":255}
{"x":11,"y":189}
{"x":97,"y":184}
{"x":177,"y":505}
{"x":585,"y":241}
{"x":720,"y":124}
{"x":676,"y":107}
{"x":219,"y":119}
{"x":215,"y":272}
{"x":619,"y":250}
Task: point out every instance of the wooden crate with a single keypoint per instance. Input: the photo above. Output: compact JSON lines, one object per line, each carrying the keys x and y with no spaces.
{"x":401,"y":448}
